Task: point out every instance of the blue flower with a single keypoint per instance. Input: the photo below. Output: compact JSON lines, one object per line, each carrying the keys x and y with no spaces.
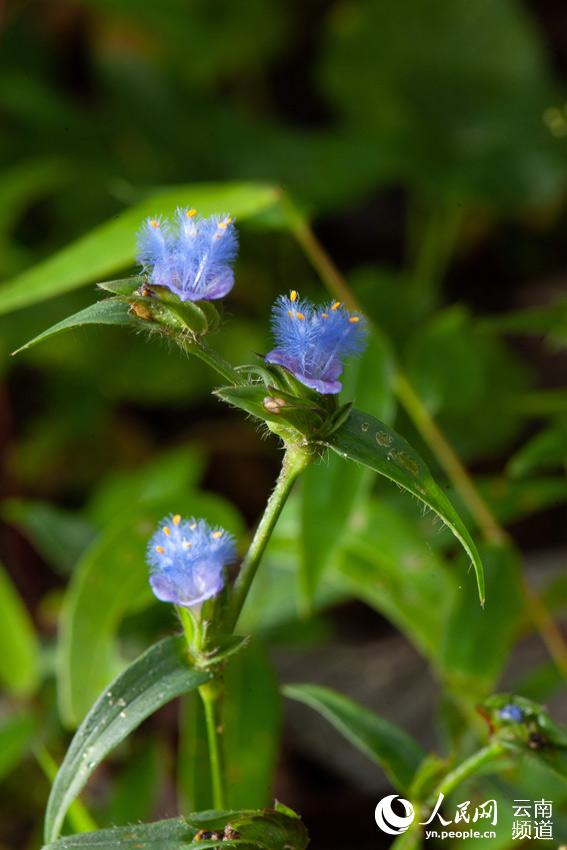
{"x":311,"y":342}
{"x":193,"y":258}
{"x":512,"y":713}
{"x":188,"y":560}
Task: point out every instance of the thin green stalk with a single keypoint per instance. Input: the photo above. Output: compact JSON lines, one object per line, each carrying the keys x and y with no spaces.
{"x":295,"y":461}
{"x":437,"y":229}
{"x":468,"y":768}
{"x":213,"y":359}
{"x":211,"y":696}
{"x":78,"y":816}
{"x":417,"y":410}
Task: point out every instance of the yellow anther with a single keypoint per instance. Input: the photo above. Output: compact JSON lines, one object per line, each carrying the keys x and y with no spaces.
{"x":293,"y":295}
{"x":177,"y":519}
{"x":193,"y":526}
{"x":166,"y":530}
{"x":354,"y":319}
{"x":217,"y":534}
{"x":154,"y":222}
{"x":191,"y":213}
{"x":186,"y":544}
{"x":324,"y":315}
{"x":300,"y":316}
{"x":336,"y":305}
{"x":291,"y":314}
{"x":224,"y":224}
{"x":160,"y":550}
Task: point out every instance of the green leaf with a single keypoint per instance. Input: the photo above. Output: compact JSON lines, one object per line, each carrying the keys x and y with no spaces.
{"x":330,"y":493}
{"x":264,"y":830}
{"x":111,"y":246}
{"x":388,"y":562}
{"x":19,"y":648}
{"x":16,"y":736}
{"x":163,"y":476}
{"x":295,"y":414}
{"x":60,"y":536}
{"x":386,"y":744}
{"x":252,"y":723}
{"x":111,"y":580}
{"x":549,"y":320}
{"x":137,"y":786}
{"x":154,"y":679}
{"x":225,"y":646}
{"x":371,"y":443}
{"x":546,"y":450}
{"x":106,"y":312}
{"x":477,"y":641}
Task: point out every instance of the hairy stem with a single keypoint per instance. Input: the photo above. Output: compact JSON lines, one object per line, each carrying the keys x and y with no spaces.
{"x":468,"y":768}
{"x":211,"y":695}
{"x":489,"y":526}
{"x":214,"y":360}
{"x":295,"y":461}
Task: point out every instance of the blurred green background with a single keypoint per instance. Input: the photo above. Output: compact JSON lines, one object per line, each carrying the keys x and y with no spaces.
{"x":426,"y":141}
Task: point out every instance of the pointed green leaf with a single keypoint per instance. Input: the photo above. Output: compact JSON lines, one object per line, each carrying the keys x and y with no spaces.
{"x":19,"y":649}
{"x":106,"y":312}
{"x":154,"y":679}
{"x":371,"y":443}
{"x":111,"y":247}
{"x":477,"y":642}
{"x":258,"y":830}
{"x":16,"y":735}
{"x":386,"y":744}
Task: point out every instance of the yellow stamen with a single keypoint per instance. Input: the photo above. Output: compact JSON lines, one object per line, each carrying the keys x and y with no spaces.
{"x":166,"y":530}
{"x":191,"y":213}
{"x":354,"y":319}
{"x":300,"y":316}
{"x":160,"y":550}
{"x":154,"y":222}
{"x":324,"y":315}
{"x":217,"y":534}
{"x":176,"y":519}
{"x":186,"y":544}
{"x":293,"y":295}
{"x":193,"y":527}
{"x":224,"y":224}
{"x":291,"y":314}
{"x":336,"y":305}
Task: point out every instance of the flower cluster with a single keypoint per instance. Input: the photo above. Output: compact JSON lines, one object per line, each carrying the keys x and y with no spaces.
{"x":311,"y":342}
{"x":193,"y":257}
{"x":188,"y":560}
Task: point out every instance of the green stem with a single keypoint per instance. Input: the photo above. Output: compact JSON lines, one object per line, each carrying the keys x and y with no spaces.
{"x":295,"y":461}
{"x":215,"y":361}
{"x":79,"y":818}
{"x":211,"y":696}
{"x":468,"y":768}
{"x":437,"y":229}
